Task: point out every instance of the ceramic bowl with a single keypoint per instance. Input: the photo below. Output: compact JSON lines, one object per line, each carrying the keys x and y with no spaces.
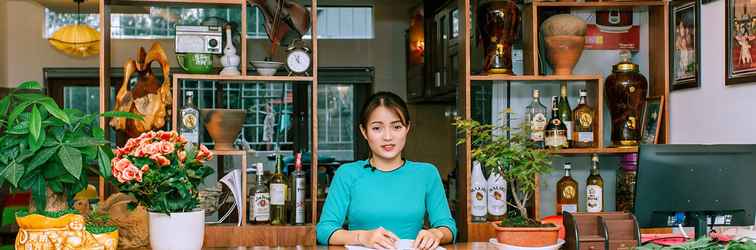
{"x":266,"y":68}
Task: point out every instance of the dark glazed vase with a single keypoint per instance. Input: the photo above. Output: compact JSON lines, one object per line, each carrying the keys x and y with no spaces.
{"x":498,"y":22}
{"x":626,"y":94}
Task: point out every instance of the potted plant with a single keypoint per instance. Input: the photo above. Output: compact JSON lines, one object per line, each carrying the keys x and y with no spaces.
{"x":517,"y":160}
{"x":163,"y":171}
{"x":48,"y":151}
{"x":103,"y":230}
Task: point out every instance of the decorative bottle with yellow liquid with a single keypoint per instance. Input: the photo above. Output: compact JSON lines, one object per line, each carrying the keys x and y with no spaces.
{"x":567,"y":192}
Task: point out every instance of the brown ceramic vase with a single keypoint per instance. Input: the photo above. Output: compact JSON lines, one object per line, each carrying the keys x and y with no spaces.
{"x":564,"y":52}
{"x":223,"y":125}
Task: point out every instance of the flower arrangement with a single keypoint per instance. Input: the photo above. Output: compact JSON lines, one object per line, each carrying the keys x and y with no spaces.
{"x":162,"y":171}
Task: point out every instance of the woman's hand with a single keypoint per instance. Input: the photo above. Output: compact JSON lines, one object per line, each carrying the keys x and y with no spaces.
{"x":428,"y":239}
{"x":377,"y":238}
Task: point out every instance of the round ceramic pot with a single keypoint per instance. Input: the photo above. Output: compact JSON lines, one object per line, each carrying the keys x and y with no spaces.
{"x":223,"y":125}
{"x":526,"y":236}
{"x":179,"y":231}
{"x":42,"y":232}
{"x":564,"y":52}
{"x":626,"y":91}
{"x":195,"y":63}
{"x":497,"y":26}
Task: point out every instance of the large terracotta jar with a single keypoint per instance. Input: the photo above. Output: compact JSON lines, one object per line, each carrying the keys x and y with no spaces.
{"x":564,"y":37}
{"x":224,"y":126}
{"x":498,"y":22}
{"x":626,"y":94}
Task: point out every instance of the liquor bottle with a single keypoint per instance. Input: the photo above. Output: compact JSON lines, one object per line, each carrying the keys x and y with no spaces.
{"x":189,"y":119}
{"x":583,"y":117}
{"x":565,"y":112}
{"x":278,"y":194}
{"x":298,"y":187}
{"x":261,"y":199}
{"x":497,"y":197}
{"x":535,"y":118}
{"x":478,"y":194}
{"x":555,"y":132}
{"x":594,"y":189}
{"x":567,"y":192}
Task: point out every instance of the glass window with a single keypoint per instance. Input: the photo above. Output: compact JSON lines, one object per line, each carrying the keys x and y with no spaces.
{"x":335,"y":120}
{"x":160,"y":22}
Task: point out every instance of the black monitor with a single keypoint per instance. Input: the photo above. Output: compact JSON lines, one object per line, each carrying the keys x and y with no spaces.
{"x":696,"y":185}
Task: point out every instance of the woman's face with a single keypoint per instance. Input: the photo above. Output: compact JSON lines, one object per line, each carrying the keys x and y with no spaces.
{"x":385,"y":133}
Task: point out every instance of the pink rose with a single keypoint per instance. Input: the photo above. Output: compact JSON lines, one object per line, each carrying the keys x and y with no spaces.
{"x":165,"y":136}
{"x":131,"y":173}
{"x":121,"y":164}
{"x":145,"y":168}
{"x":166,"y":147}
{"x":204,"y":153}
{"x":160,"y":160}
{"x":181,"y":155}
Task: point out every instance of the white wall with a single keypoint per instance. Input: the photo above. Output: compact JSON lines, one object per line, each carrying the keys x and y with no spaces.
{"x":713,"y":113}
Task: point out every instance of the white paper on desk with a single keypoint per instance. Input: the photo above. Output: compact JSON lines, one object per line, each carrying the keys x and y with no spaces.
{"x":399,"y":245}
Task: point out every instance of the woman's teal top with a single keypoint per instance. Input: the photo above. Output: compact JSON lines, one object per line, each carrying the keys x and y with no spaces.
{"x":396,"y":200}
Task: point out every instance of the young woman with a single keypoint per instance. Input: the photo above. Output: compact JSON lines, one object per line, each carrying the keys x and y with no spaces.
{"x":386,"y":198}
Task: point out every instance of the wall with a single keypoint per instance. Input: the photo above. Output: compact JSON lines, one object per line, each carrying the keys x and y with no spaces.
{"x":31,"y":52}
{"x":713,"y":113}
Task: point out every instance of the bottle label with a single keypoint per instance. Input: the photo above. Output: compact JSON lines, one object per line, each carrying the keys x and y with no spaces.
{"x":479,"y":200}
{"x":572,"y":208}
{"x":497,"y":198}
{"x":556,"y":138}
{"x":299,"y":196}
{"x":585,"y":137}
{"x":568,"y":192}
{"x":585,"y":120}
{"x":595,"y":197}
{"x":261,"y":208}
{"x":569,"y":130}
{"x":539,"y":122}
{"x":189,"y":120}
{"x":277,"y":194}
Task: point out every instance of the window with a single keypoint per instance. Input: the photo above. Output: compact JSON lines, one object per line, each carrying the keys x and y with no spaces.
{"x":160,"y":22}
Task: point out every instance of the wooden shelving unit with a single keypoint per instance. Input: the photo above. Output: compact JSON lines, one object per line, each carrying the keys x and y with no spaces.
{"x":658,"y":79}
{"x":225,"y":235}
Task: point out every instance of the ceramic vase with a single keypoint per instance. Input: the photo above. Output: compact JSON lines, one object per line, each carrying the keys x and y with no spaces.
{"x":564,"y":38}
{"x":497,"y":28}
{"x":626,"y":94}
{"x":223,"y":125}
{"x":178,"y":231}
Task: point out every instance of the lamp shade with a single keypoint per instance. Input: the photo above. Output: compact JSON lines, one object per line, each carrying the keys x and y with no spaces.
{"x":77,"y":40}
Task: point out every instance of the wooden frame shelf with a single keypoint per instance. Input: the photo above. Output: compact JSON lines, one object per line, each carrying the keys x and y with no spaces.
{"x":175,"y":2}
{"x":536,"y":78}
{"x":605,"y":4}
{"x":579,"y":151}
{"x":243,"y":78}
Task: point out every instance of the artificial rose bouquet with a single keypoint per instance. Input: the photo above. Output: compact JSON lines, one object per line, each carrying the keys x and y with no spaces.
{"x":162,"y":171}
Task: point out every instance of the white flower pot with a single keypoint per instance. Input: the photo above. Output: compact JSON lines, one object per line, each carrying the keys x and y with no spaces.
{"x":179,"y":231}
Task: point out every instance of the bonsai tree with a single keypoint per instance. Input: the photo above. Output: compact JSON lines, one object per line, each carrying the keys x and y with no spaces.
{"x":48,"y":150}
{"x":515,"y":158}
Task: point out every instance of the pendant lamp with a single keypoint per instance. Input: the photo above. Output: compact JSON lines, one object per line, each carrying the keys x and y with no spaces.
{"x":76,"y":39}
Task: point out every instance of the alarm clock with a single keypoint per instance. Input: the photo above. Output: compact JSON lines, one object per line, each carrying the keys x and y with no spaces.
{"x":298,"y":59}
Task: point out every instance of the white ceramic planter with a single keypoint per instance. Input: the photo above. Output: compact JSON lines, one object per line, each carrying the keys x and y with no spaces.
{"x":179,"y":231}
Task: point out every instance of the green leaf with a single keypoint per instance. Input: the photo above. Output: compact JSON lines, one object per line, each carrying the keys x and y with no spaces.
{"x":4,"y":105}
{"x":59,"y":133}
{"x":17,"y":110}
{"x":54,"y":110}
{"x":85,"y":141}
{"x":21,"y":128}
{"x":29,"y":85}
{"x":35,"y":125}
{"x":103,"y":160}
{"x":55,"y":185}
{"x":71,"y":159}
{"x":13,"y":173}
{"x":98,"y":133}
{"x":121,"y":114}
{"x":39,"y":193}
{"x":39,"y":142}
{"x":34,"y":97}
{"x":41,"y":157}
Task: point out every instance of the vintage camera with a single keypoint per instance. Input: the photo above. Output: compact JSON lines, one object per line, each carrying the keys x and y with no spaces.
{"x":199,"y":39}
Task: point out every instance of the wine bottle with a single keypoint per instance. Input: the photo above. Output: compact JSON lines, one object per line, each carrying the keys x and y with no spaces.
{"x":567,"y":192}
{"x":565,"y":113}
{"x":298,"y":186}
{"x":535,"y":118}
{"x":189,"y":120}
{"x":278,"y":194}
{"x":261,"y":199}
{"x":478,"y":194}
{"x":594,"y":189}
{"x":497,"y":197}
{"x":555,"y":132}
{"x":583,"y":117}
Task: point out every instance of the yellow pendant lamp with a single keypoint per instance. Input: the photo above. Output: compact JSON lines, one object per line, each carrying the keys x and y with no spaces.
{"x":76,"y":39}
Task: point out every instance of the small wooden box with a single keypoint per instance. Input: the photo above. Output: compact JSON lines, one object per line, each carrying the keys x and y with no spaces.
{"x":595,"y":231}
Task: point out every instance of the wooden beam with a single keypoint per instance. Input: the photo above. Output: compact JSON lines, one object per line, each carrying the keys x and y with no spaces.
{"x":104,"y":74}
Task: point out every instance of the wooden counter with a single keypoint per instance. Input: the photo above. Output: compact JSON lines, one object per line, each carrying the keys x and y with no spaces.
{"x":458,"y":246}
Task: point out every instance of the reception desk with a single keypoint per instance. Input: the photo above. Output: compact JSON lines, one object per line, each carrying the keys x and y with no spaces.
{"x":458,"y":246}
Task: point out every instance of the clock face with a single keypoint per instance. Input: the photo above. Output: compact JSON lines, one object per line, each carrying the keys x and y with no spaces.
{"x":298,"y":61}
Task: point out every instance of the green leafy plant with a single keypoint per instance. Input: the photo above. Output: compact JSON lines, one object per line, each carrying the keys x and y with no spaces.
{"x":48,"y":150}
{"x":514,"y":158}
{"x":162,"y":171}
{"x":98,"y":223}
{"x":705,"y":244}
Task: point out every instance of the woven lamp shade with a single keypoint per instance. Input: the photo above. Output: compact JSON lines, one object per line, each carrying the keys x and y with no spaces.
{"x":76,"y":40}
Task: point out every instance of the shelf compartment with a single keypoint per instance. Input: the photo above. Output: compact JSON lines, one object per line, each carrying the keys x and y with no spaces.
{"x":536,"y":77}
{"x":169,"y":2}
{"x":243,"y":78}
{"x":230,"y":235}
{"x":606,"y":4}
{"x":579,"y":151}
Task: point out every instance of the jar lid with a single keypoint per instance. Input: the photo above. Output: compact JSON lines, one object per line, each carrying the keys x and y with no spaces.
{"x":625,"y":64}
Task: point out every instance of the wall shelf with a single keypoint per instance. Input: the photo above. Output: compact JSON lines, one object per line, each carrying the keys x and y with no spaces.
{"x":536,"y":78}
{"x":244,"y":78}
{"x":175,"y":2}
{"x":604,"y":4}
{"x":605,"y":150}
{"x":229,"y":235}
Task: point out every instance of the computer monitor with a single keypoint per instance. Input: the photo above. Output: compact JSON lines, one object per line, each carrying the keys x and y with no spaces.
{"x":696,"y":185}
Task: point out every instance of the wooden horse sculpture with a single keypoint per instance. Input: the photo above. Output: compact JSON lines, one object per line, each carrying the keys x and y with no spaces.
{"x":285,"y":20}
{"x":148,"y":98}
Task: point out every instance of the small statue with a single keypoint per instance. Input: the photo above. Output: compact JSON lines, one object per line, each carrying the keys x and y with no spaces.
{"x":148,"y":98}
{"x":230,"y":60}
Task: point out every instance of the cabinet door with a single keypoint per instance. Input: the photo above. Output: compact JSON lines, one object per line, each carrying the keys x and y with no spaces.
{"x":415,"y":74}
{"x":453,"y":51}
{"x":440,"y":50}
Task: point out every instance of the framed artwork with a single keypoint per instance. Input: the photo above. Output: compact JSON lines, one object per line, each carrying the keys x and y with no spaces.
{"x":684,"y":41}
{"x":740,"y":28}
{"x":652,"y":116}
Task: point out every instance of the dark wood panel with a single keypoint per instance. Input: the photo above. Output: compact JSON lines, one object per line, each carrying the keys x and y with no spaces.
{"x":481,"y":232}
{"x":254,"y":235}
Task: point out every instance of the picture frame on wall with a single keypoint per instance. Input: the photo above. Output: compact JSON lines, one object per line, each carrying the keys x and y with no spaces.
{"x":740,"y":29}
{"x":685,"y":52}
{"x":652,"y":117}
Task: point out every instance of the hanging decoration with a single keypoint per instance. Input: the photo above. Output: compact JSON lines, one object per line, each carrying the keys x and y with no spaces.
{"x":76,"y":39}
